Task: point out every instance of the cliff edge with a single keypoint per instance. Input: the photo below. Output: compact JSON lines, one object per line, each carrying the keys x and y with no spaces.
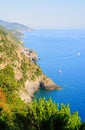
{"x":19,"y":72}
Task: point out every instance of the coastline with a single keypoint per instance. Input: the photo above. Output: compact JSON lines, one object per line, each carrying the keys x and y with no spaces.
{"x":42,"y":81}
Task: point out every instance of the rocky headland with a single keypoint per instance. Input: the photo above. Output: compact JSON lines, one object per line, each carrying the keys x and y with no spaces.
{"x":27,"y":93}
{"x":19,"y":72}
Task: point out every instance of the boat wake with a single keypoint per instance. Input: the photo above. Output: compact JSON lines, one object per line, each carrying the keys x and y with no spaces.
{"x":67,"y":57}
{"x":63,"y":57}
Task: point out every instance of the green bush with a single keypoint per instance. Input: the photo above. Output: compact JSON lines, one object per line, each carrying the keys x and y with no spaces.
{"x":38,"y":71}
{"x":45,"y":115}
{"x":39,"y":115}
{"x":7,"y":78}
{"x":24,"y":66}
{"x":1,"y":60}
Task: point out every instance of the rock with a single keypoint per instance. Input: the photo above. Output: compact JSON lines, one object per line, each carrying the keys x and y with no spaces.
{"x":31,"y":87}
{"x":48,"y":84}
{"x":28,"y":76}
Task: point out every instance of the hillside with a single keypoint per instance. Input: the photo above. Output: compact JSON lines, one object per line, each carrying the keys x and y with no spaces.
{"x":16,"y":28}
{"x":19,"y":64}
{"x":20,"y":77}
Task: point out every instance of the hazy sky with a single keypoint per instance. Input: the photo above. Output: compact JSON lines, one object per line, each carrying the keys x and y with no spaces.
{"x":45,"y":13}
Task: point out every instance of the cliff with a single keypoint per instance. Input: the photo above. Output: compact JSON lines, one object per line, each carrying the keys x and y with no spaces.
{"x":19,"y":72}
{"x":31,"y":87}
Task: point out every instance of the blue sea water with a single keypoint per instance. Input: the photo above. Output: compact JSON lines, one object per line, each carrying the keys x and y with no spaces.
{"x":62,"y":50}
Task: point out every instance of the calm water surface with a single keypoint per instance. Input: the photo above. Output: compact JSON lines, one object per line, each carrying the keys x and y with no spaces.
{"x":62,"y":50}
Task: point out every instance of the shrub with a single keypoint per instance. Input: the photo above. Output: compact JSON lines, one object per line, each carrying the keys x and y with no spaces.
{"x":7,"y":78}
{"x":45,"y":115}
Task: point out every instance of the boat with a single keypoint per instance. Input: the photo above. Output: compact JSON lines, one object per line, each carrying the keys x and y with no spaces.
{"x":59,"y":71}
{"x":78,"y":54}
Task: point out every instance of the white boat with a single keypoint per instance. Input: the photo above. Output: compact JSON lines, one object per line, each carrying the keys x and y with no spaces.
{"x":59,"y":71}
{"x":78,"y":54}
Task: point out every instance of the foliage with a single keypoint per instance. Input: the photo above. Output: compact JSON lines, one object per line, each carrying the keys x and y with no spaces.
{"x":15,"y":114}
{"x":82,"y":126}
{"x":38,"y":115}
{"x":2,"y":96}
{"x":45,"y":115}
{"x":1,"y":60}
{"x":7,"y":79}
{"x":8,"y":44}
{"x":24,"y":66}
{"x":38,"y":71}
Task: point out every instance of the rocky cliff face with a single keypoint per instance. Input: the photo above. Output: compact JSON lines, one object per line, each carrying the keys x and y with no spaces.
{"x":31,"y":87}
{"x":19,"y":72}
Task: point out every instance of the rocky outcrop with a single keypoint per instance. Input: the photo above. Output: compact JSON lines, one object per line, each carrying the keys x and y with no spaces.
{"x":31,"y":87}
{"x":27,"y":75}
{"x":48,"y":84}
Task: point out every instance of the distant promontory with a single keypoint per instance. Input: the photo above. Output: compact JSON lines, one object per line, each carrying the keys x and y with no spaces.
{"x":16,"y":28}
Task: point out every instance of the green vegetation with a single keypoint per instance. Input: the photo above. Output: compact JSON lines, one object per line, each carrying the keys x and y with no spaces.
{"x":41,"y":115}
{"x":15,"y":114}
{"x":45,"y":115}
{"x":31,"y":68}
{"x":1,"y":60}
{"x":7,"y":79}
{"x":9,"y":106}
{"x":38,"y":72}
{"x":4,"y":32}
{"x":24,"y":66}
{"x":8,"y":44}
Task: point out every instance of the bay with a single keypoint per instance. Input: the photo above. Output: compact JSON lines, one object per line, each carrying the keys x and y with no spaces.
{"x":62,"y":58}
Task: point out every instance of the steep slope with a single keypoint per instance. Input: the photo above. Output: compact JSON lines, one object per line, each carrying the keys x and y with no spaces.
{"x":19,"y":72}
{"x":20,"y":77}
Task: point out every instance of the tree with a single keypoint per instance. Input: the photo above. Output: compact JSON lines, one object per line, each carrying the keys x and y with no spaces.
{"x":45,"y":115}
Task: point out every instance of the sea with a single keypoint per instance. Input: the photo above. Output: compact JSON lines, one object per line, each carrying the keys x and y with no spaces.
{"x":61,"y":56}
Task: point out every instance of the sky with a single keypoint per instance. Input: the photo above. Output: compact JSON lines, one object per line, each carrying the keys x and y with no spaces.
{"x":56,"y":14}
